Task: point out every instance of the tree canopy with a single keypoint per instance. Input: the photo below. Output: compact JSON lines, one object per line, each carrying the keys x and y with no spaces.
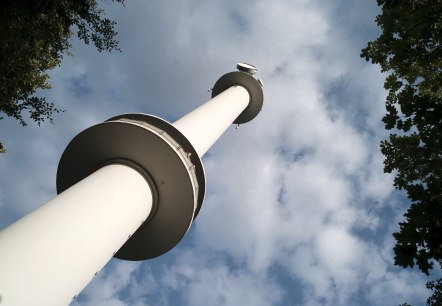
{"x":436,"y":297}
{"x":34,"y":36}
{"x":410,"y":50}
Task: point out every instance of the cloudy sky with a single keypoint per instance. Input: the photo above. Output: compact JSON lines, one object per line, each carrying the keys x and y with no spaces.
{"x":298,"y":210}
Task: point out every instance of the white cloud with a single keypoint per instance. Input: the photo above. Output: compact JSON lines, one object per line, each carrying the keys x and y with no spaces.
{"x":210,"y":278}
{"x":106,"y":290}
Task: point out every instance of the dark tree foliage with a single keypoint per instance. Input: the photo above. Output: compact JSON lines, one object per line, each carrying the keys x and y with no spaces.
{"x":410,"y":51}
{"x":436,"y":298}
{"x":34,"y":36}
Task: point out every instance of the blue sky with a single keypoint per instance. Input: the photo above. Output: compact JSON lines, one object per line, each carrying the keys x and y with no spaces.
{"x":298,"y":210}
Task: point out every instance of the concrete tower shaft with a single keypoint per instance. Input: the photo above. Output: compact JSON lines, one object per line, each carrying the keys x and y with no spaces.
{"x":129,"y":187}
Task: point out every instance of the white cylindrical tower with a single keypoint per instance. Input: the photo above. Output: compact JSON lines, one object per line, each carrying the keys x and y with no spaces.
{"x":225,"y":108}
{"x":129,"y":187}
{"x":48,"y":256}
{"x":236,"y":98}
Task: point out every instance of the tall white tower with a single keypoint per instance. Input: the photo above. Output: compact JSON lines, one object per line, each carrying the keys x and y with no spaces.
{"x":129,"y":187}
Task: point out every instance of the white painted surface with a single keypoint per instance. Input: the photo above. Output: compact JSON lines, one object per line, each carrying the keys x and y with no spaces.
{"x":207,"y":123}
{"x":50,"y":255}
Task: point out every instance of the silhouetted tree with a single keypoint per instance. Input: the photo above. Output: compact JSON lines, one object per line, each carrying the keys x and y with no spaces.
{"x":436,"y":298}
{"x":410,"y":50}
{"x":34,"y":36}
